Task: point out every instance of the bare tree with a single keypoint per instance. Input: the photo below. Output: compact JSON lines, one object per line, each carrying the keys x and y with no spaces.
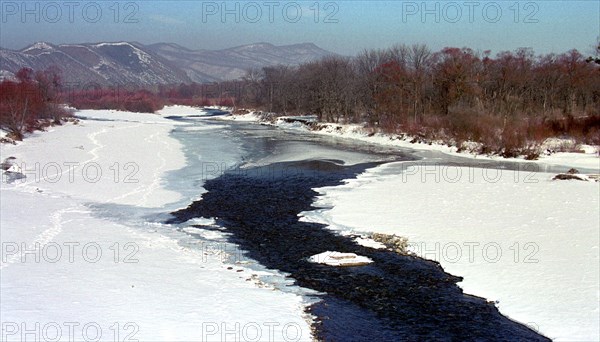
{"x":419,"y":61}
{"x":365,"y":65}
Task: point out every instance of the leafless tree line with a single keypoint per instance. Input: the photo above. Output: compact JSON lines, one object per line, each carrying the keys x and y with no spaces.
{"x":456,"y":92}
{"x":405,"y":83}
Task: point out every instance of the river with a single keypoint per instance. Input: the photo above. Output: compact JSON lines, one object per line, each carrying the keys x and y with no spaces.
{"x":254,"y":180}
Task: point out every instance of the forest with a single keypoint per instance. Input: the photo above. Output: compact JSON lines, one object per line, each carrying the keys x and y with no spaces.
{"x":509,"y":103}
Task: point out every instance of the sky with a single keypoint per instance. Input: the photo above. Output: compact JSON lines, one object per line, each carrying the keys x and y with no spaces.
{"x":345,"y":27}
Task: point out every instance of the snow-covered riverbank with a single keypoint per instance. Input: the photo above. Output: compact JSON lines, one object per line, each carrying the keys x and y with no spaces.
{"x":83,"y":249}
{"x":66,"y":270}
{"x":587,"y":158}
{"x":517,"y":238}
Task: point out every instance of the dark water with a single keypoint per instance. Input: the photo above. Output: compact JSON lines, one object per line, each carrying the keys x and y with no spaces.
{"x":396,"y":298}
{"x":208,"y":112}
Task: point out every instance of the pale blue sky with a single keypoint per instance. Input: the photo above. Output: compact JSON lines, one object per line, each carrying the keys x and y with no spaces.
{"x":344,"y":26}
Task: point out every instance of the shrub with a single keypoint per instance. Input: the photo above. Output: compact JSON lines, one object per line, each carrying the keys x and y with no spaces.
{"x":140,"y":101}
{"x":29,"y":104}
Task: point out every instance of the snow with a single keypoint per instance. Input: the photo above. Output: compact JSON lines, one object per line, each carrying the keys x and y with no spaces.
{"x":69,"y":268}
{"x":292,"y":125}
{"x":588,"y":159}
{"x":518,"y":238}
{"x":162,"y":282}
{"x":92,"y":164}
{"x":367,"y":242}
{"x":249,"y":117}
{"x":339,"y":259}
{"x":201,"y":221}
{"x":142,"y":56}
{"x":39,"y":46}
{"x":113,"y":44}
{"x":183,"y":111}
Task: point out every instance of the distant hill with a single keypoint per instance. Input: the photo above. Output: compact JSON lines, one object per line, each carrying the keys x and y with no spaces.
{"x":102,"y":63}
{"x":229,"y":64}
{"x":163,"y":63}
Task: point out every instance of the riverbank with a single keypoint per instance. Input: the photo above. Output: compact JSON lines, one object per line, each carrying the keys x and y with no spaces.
{"x":106,"y":183}
{"x":518,"y":238}
{"x":83,"y":246}
{"x":392,"y":298}
{"x":491,"y":222}
{"x":586,"y":157}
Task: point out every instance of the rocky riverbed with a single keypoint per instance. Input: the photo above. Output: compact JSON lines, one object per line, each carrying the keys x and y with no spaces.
{"x":397,"y":297}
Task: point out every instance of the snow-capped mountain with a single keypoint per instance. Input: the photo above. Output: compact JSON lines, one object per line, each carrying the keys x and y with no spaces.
{"x":163,"y":63}
{"x":232,"y":63}
{"x":102,"y":63}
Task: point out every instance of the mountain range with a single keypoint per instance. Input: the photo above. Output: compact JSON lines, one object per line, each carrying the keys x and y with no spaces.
{"x":163,"y":63}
